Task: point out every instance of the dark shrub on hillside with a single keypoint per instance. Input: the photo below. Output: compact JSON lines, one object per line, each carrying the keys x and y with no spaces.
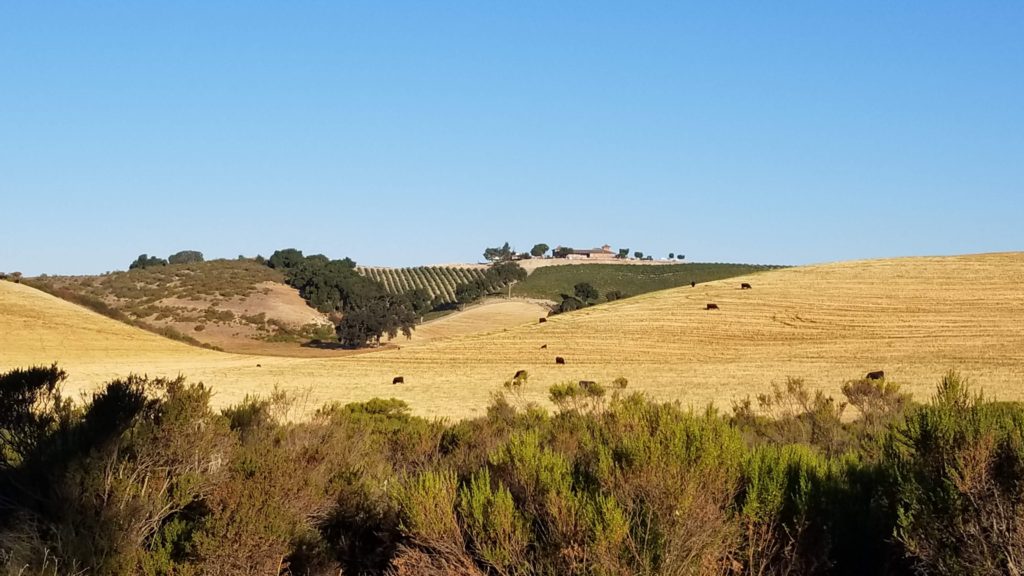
{"x":958,"y":466}
{"x":585,"y":292}
{"x":569,"y":303}
{"x":146,"y":261}
{"x":285,"y":258}
{"x":186,"y":257}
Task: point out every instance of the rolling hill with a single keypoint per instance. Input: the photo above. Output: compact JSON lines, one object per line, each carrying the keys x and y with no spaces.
{"x":234,"y":305}
{"x":630,"y":277}
{"x":913,"y":317}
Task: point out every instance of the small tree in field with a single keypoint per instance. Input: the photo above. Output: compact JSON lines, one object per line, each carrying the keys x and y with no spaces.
{"x":623,"y":253}
{"x":539,"y":250}
{"x":671,"y":255}
{"x":569,"y":303}
{"x":561,"y":252}
{"x":502,"y":254}
{"x":613,"y":295}
{"x":638,"y":255}
{"x":680,"y":257}
{"x":469,"y":292}
{"x":585,"y":292}
{"x":505,"y":273}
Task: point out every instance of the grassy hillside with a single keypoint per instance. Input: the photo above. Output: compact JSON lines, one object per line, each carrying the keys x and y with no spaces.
{"x":224,"y":303}
{"x":549,"y":282}
{"x":912,"y":317}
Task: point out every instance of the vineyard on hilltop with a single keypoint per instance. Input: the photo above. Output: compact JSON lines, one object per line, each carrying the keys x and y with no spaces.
{"x":439,"y":281}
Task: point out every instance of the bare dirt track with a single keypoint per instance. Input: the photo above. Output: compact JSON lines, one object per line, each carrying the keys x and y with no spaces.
{"x":912,"y":317}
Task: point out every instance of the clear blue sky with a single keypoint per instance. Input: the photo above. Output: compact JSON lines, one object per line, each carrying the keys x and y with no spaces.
{"x":421,"y":132}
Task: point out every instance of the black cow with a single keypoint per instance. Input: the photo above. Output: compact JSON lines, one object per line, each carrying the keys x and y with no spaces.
{"x":693,"y":284}
{"x":543,"y":346}
{"x":712,"y":306}
{"x":876,"y":375}
{"x":543,"y":320}
{"x":259,"y":366}
{"x":745,"y":286}
{"x":398,"y":380}
{"x":559,"y":360}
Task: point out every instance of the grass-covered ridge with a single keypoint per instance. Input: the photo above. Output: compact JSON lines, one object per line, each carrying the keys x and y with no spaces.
{"x":147,"y":478}
{"x":135,"y":289}
{"x":215,"y":303}
{"x":550,"y":282}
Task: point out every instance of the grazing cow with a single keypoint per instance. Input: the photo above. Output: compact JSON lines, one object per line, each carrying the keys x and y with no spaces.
{"x":543,"y":320}
{"x":876,"y":375}
{"x":745,"y":286}
{"x":520,"y":375}
{"x":398,"y":380}
{"x":543,"y":346}
{"x":259,"y":365}
{"x":693,"y":284}
{"x":559,"y":360}
{"x":712,"y":306}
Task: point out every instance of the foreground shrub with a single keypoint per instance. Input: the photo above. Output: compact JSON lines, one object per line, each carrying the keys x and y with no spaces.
{"x":958,"y":465}
{"x":144,"y":478}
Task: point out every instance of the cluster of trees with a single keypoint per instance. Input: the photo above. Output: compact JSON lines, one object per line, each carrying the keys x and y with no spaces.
{"x":363,"y":310}
{"x":13,"y":277}
{"x":146,"y":478}
{"x":183,"y":257}
{"x":505,"y":253}
{"x":499,"y":275}
{"x":584,"y":294}
{"x":147,"y":261}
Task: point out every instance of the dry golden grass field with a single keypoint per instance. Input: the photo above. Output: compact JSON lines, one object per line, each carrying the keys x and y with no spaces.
{"x":491,"y":316}
{"x":913,"y":317}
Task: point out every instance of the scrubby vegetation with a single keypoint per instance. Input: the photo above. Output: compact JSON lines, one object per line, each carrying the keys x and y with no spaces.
{"x":145,"y":478}
{"x":149,"y":296}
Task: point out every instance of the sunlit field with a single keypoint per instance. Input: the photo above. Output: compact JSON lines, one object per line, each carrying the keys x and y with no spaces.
{"x":914,"y":318}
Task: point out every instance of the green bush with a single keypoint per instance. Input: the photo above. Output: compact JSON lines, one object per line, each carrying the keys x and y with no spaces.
{"x":957,"y":466}
{"x":144,"y":478}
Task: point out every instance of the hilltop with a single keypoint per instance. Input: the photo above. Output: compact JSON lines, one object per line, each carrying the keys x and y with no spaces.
{"x":912,"y":317}
{"x":234,"y":305}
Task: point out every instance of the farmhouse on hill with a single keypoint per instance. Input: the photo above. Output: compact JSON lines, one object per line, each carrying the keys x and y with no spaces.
{"x":602,"y":253}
